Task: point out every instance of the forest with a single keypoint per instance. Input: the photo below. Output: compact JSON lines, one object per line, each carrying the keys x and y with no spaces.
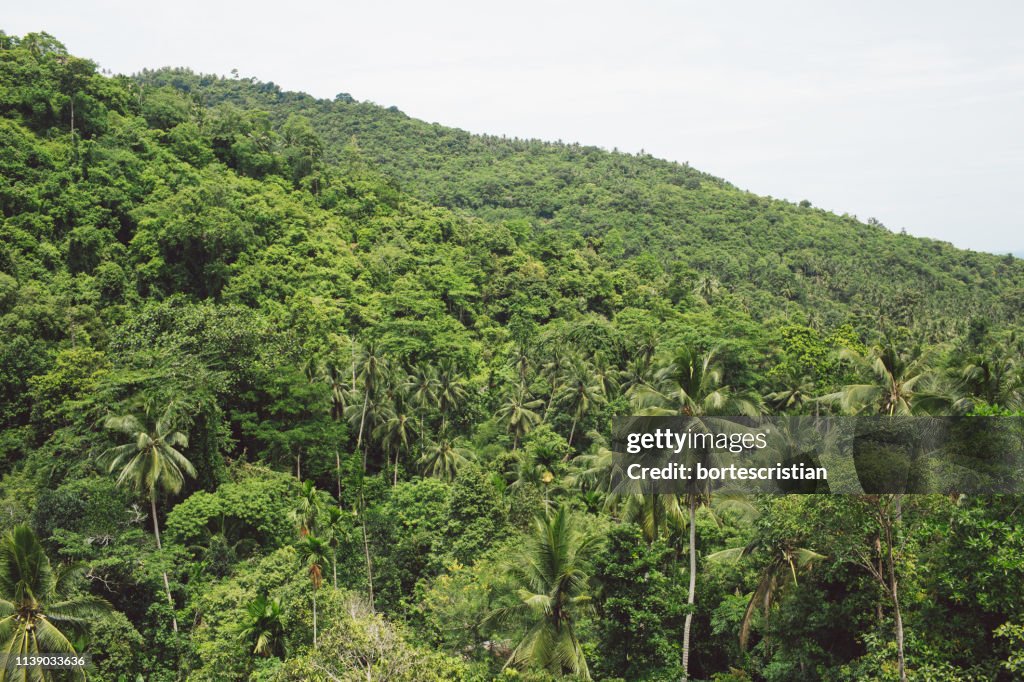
{"x":301,"y":389}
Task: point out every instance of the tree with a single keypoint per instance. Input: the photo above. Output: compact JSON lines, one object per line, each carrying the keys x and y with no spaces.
{"x":451,"y":391}
{"x":371,"y":367}
{"x":691,"y":385}
{"x":519,"y":414}
{"x":314,"y":553}
{"x":263,"y":627}
{"x":443,"y":459}
{"x":343,"y":390}
{"x":311,"y":504}
{"x":783,"y":561}
{"x":395,"y":432}
{"x":334,"y":529}
{"x":898,"y":383}
{"x":38,"y":613}
{"x":150,"y":462}
{"x":579,"y":390}
{"x":795,"y":390}
{"x":553,"y":589}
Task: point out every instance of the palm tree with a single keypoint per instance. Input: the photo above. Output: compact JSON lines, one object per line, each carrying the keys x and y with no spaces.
{"x":443,"y":459}
{"x":151,"y":461}
{"x":371,"y":367}
{"x":784,"y":560}
{"x":451,"y":391}
{"x":38,"y":615}
{"x":395,"y":432}
{"x":898,"y":384}
{"x":553,"y":590}
{"x":310,"y":506}
{"x":333,"y":529}
{"x":314,"y":553}
{"x":994,"y":378}
{"x":553,"y":370}
{"x":421,"y":389}
{"x":263,"y":627}
{"x":579,"y":391}
{"x":343,"y":390}
{"x":793,"y":393}
{"x":691,"y":385}
{"x":519,"y":415}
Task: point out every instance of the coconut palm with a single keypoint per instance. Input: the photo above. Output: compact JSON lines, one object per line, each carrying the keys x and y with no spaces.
{"x":783,"y":563}
{"x":333,"y":528}
{"x":151,"y":462}
{"x":994,"y":378}
{"x":371,"y":367}
{"x":443,"y":459}
{"x":395,"y":432}
{"x":262,"y":626}
{"x":315,"y":554}
{"x":795,"y":391}
{"x":579,"y":391}
{"x":341,"y":382}
{"x":900,"y":382}
{"x":518,"y":412}
{"x":38,"y":613}
{"x":420,"y":388}
{"x":553,"y":591}
{"x":691,"y":385}
{"x":451,"y":391}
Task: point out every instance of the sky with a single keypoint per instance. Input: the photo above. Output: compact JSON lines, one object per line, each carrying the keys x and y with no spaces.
{"x":909,"y":112}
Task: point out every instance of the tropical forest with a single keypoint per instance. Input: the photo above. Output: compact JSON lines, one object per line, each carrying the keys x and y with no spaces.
{"x":308,"y":389}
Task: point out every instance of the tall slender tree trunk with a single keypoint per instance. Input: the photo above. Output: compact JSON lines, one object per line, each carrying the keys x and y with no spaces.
{"x":894,"y":588}
{"x":159,"y":548}
{"x":366,"y":551}
{"x":314,"y":617}
{"x":692,"y":593}
{"x":298,"y":466}
{"x":900,"y":655}
{"x":337,"y":472}
{"x":362,"y":421}
{"x":334,"y":566}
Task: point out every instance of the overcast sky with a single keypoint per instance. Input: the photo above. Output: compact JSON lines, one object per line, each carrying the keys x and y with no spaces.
{"x":911,"y":112}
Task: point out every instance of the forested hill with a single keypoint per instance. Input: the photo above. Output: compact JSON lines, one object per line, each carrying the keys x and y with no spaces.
{"x":635,"y":209}
{"x":307,"y":390}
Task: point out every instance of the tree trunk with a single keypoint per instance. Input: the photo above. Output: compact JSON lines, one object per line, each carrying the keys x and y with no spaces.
{"x":362,"y":421}
{"x":334,"y":567}
{"x":894,"y":589}
{"x":692,"y":594}
{"x":366,"y":552}
{"x":314,"y":617}
{"x":337,"y":472}
{"x":900,"y":655}
{"x":159,"y":548}
{"x":298,"y":466}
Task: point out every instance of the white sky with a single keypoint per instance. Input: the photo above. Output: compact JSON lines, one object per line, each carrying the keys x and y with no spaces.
{"x":911,"y":112}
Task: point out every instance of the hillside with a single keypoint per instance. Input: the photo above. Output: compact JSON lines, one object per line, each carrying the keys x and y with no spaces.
{"x":625,"y":207}
{"x":305,"y":390}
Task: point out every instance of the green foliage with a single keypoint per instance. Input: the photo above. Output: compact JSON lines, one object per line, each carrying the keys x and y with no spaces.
{"x":245,"y":297}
